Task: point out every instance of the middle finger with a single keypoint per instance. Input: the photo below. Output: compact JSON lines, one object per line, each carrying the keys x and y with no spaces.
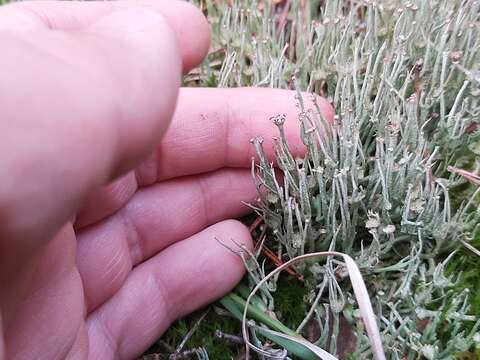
{"x":156,"y":217}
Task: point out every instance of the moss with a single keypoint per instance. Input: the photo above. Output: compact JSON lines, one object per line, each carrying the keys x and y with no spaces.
{"x":202,"y":337}
{"x":289,"y":302}
{"x":468,"y":264}
{"x":290,"y":309}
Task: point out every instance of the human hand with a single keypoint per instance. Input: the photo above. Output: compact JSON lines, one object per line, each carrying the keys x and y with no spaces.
{"x":107,"y":235}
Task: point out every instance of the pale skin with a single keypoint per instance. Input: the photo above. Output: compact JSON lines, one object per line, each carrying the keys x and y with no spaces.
{"x":114,"y":182}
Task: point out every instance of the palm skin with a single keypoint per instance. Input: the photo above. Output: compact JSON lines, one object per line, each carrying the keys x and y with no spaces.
{"x":116,"y":185}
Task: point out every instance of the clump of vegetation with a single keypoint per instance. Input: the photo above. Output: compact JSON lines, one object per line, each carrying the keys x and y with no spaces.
{"x":392,"y":182}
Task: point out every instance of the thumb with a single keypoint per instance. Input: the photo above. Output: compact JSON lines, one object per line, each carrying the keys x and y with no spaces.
{"x":80,"y":108}
{"x":142,"y":61}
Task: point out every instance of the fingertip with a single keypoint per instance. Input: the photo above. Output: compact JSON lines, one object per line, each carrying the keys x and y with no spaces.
{"x":218,"y":255}
{"x":191,"y":28}
{"x":188,"y":23}
{"x":290,"y":107}
{"x":233,"y":238}
{"x":240,"y":238}
{"x":193,"y":52}
{"x":326,"y":109}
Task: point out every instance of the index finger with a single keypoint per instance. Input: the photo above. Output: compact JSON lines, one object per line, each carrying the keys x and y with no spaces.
{"x":212,"y":129}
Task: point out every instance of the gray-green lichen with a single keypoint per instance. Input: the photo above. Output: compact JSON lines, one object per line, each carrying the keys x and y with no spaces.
{"x":404,"y":78}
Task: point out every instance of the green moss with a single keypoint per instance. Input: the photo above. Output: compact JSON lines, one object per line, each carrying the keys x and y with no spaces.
{"x":290,"y":309}
{"x":289,"y":301}
{"x":468,"y":264}
{"x":203,"y":336}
